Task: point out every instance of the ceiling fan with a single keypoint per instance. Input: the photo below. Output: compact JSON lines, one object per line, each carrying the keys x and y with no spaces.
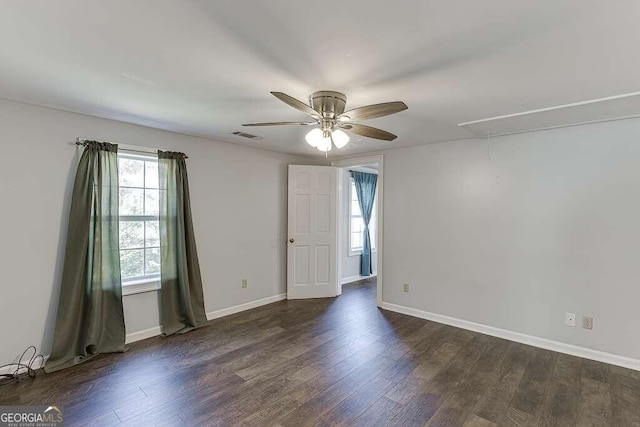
{"x":327,"y":110}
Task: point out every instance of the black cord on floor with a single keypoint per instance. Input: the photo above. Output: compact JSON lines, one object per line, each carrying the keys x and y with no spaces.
{"x":28,"y":368}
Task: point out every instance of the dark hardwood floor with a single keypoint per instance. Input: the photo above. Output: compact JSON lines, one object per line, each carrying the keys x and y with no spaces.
{"x":335,"y":362}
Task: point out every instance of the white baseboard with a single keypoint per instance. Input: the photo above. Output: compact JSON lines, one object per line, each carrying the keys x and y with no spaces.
{"x":143,"y":335}
{"x":352,"y":279}
{"x":574,"y":350}
{"x":246,"y":306}
{"x":157,"y":330}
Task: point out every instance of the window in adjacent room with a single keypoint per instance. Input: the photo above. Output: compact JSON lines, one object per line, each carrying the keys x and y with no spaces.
{"x":356,"y":223}
{"x":139,"y":225}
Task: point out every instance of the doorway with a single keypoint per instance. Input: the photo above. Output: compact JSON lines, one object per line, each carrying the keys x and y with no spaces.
{"x":350,"y":227}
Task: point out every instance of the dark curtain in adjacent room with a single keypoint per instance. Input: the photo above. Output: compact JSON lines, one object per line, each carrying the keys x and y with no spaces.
{"x":366,"y":190}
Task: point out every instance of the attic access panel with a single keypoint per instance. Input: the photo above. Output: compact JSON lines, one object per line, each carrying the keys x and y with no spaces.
{"x":617,"y":107}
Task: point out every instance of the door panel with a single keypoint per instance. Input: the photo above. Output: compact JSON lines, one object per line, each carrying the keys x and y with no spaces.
{"x":312,"y":241}
{"x":302,"y":215}
{"x":323,"y":264}
{"x":302,"y":260}
{"x":323,"y":213}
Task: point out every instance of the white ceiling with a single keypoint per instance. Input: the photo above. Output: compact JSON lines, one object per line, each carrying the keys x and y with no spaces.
{"x":205,"y":67}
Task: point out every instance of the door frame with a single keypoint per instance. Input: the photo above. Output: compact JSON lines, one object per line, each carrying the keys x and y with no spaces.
{"x":359,"y":161}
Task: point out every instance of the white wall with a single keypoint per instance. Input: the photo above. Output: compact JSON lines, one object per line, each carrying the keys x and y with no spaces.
{"x":350,"y":263}
{"x":515,"y":232}
{"x":238,"y":197}
{"x":512,"y":234}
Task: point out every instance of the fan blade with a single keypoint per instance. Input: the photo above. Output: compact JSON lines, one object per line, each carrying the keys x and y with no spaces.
{"x":369,"y":131}
{"x":280,"y":124}
{"x":299,"y":105}
{"x":373,"y":111}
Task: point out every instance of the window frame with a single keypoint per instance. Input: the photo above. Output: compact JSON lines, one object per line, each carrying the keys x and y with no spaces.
{"x":358,"y":251}
{"x":149,"y":282}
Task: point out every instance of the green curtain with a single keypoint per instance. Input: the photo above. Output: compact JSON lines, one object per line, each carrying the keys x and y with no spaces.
{"x":366,"y":189}
{"x":90,"y":318}
{"x":182,"y":301}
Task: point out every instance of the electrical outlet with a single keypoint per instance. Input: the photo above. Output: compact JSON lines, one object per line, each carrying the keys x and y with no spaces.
{"x":587,"y":322}
{"x":570,"y":319}
{"x":244,"y":283}
{"x":406,"y":287}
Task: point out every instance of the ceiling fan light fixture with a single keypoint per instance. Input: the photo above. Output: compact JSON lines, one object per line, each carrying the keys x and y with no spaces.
{"x":340,"y":139}
{"x":314,"y":137}
{"x":324,"y":145}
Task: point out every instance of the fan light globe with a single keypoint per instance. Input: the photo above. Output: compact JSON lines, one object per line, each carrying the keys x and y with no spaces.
{"x":314,"y":137}
{"x":340,"y":138}
{"x":324,"y":145}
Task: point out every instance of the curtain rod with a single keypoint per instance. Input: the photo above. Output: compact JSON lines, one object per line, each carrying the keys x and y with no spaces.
{"x":83,"y":141}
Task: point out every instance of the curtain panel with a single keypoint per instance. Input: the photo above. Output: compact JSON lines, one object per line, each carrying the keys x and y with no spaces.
{"x":366,"y":190}
{"x":182,"y":300}
{"x":90,"y":317}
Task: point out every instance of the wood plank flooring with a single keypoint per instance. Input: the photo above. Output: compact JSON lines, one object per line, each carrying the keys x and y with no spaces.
{"x":335,"y":362}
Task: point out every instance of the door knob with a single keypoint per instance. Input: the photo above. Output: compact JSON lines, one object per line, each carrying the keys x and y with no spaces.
{"x":291,"y":240}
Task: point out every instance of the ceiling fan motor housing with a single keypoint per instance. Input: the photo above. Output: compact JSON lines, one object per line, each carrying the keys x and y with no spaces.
{"x":329,"y":103}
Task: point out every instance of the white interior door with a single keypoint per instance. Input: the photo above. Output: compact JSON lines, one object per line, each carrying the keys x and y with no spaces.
{"x":312,"y":241}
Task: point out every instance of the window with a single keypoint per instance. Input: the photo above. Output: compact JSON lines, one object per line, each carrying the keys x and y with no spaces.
{"x":356,"y":223}
{"x":139,"y":225}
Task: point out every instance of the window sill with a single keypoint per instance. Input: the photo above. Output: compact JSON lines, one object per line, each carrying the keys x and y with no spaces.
{"x":358,"y":253}
{"x":140,"y":286}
